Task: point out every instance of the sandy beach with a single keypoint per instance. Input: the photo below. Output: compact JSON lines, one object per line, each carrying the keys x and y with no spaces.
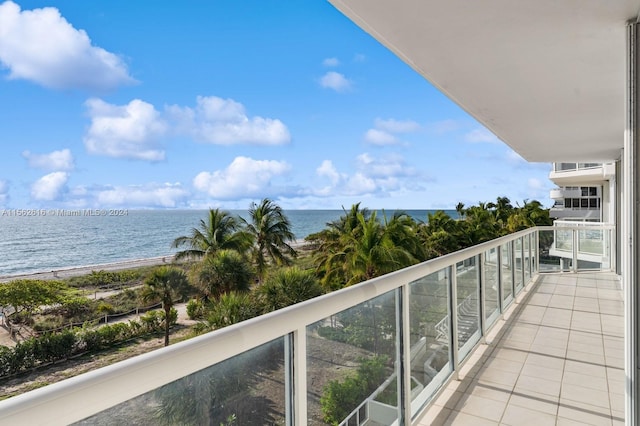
{"x":83,"y":270}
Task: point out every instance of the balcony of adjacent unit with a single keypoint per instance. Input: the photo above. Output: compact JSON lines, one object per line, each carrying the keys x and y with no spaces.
{"x":565,"y":192}
{"x":516,"y":328}
{"x":581,"y":174}
{"x":577,"y":203}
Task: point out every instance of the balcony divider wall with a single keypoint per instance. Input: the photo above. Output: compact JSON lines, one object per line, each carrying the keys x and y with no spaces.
{"x":397,"y":338}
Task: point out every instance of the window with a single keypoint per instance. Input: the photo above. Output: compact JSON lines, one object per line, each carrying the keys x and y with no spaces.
{"x":575,"y":203}
{"x":593,"y":191}
{"x":567,"y":203}
{"x":584,"y":203}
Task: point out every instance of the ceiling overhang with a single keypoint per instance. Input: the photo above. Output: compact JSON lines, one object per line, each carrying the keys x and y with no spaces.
{"x":547,"y":77}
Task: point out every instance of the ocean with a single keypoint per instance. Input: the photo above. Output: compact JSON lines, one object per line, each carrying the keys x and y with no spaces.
{"x":46,"y":240}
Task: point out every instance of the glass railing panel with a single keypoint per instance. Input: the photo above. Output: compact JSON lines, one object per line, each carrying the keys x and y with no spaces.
{"x":565,"y":166}
{"x":468,"y":303}
{"x":247,"y":389}
{"x":430,"y":335}
{"x":351,"y":356}
{"x":491,"y":287}
{"x":518,"y":265}
{"x":527,"y":257}
{"x":534,"y":251}
{"x":591,"y":242}
{"x":593,"y":249}
{"x":588,"y":165}
{"x":506,"y":273}
{"x":556,"y":250}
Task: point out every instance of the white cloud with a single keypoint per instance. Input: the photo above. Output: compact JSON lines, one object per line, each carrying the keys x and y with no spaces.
{"x":327,"y":169}
{"x":481,"y":135}
{"x":129,"y":131}
{"x":224,"y":121}
{"x":359,"y":184}
{"x":397,"y":126}
{"x":359,"y":57}
{"x":243,"y":178}
{"x":166,"y":195}
{"x":392,"y":165}
{"x":331,"y":62}
{"x":384,"y":130}
{"x":336,"y":81}
{"x":373,"y":175}
{"x":49,"y":187}
{"x":41,"y":46}
{"x":380,"y":137}
{"x":444,"y":126}
{"x":55,"y":161}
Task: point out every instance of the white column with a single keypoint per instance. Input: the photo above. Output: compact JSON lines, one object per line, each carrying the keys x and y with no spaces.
{"x":629,"y":243}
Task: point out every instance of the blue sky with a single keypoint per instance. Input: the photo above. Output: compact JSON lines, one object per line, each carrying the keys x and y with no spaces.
{"x":219,"y":103}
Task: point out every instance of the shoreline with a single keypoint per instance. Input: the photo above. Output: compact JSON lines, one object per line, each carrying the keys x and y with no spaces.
{"x":75,"y":271}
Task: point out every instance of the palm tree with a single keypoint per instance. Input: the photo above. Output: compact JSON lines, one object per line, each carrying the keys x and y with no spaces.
{"x":166,"y":284}
{"x":223,"y":272}
{"x":271,"y":232}
{"x":403,"y":231}
{"x":460,"y":209}
{"x":531,"y":214}
{"x":330,"y":242}
{"x":366,"y":252}
{"x":503,"y":209}
{"x":220,"y":231}
{"x":480,"y":225}
{"x":442,"y":234}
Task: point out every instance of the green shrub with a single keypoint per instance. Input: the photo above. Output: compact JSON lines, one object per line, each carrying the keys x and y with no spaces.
{"x":105,"y":308}
{"x":49,"y":323}
{"x":76,"y":307}
{"x":52,"y":347}
{"x":340,"y":398}
{"x":195,"y":309}
{"x":6,"y":360}
{"x":232,"y":308}
{"x":153,"y":321}
{"x":287,"y":287}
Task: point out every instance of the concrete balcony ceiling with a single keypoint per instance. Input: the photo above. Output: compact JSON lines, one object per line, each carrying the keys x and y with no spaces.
{"x":547,"y":77}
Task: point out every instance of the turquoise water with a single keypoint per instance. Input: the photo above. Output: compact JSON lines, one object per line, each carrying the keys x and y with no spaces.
{"x":50,"y":240}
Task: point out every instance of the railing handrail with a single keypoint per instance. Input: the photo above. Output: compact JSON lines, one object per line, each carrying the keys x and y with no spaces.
{"x":582,"y":224}
{"x":127,"y":379}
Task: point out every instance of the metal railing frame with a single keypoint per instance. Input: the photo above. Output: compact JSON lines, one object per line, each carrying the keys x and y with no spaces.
{"x":82,"y":396}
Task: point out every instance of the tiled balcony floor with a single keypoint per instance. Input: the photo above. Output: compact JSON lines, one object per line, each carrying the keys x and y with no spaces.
{"x":557,"y":359}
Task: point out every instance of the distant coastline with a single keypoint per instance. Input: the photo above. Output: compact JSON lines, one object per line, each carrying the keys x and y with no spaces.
{"x":74,"y":271}
{"x":41,"y":244}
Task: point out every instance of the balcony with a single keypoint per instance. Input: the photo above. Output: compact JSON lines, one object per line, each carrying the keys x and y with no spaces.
{"x":562,"y":193}
{"x":401,"y":341}
{"x":581,"y":174}
{"x":557,"y":360}
{"x":564,"y":167}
